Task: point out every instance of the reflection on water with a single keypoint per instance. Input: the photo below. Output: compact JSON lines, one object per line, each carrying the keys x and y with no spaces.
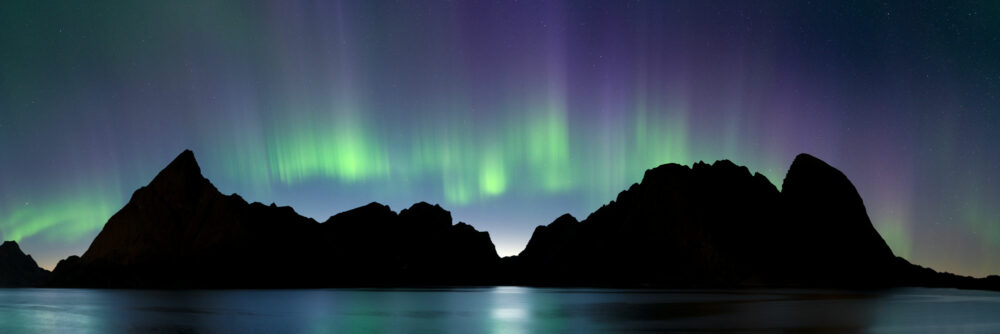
{"x":494,"y":310}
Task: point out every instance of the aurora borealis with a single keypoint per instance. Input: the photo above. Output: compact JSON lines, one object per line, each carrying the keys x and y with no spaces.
{"x":507,"y":113}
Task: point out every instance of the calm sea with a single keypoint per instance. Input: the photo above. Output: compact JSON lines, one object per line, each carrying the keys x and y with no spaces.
{"x":495,"y":310}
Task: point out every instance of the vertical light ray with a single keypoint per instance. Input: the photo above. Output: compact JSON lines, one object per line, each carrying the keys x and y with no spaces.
{"x":492,"y":173}
{"x":340,"y":148}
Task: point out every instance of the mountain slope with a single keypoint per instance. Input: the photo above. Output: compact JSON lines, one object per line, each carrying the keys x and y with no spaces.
{"x":700,"y":226}
{"x":829,"y":229}
{"x":18,"y":269}
{"x":180,"y":231}
{"x":719,"y":226}
{"x":706,"y":225}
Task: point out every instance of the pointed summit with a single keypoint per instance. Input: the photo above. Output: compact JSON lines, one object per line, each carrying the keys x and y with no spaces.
{"x":183,"y":166}
{"x":185,"y":157}
{"x":168,"y":205}
{"x":10,"y":247}
{"x":181,"y":180}
{"x":180,"y":231}
{"x":18,"y":269}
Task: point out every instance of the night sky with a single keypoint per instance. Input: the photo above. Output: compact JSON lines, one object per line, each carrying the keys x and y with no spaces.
{"x":507,"y":113}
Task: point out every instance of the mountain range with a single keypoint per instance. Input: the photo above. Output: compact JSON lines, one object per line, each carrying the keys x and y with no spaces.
{"x":708,"y":225}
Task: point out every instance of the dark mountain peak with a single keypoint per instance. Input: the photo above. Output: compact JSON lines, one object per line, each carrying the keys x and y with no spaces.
{"x":565,"y":219}
{"x":181,"y":179}
{"x":373,"y":211}
{"x":560,"y":225}
{"x":421,"y":206}
{"x":729,"y":168}
{"x":724,"y":163}
{"x":179,"y":213}
{"x":10,"y":247}
{"x":239,"y":198}
{"x":664,"y":171}
{"x":18,"y":269}
{"x":180,"y":231}
{"x":552,"y":238}
{"x":807,"y":170}
{"x":426,"y":214}
{"x":375,"y":206}
{"x":717,"y":224}
{"x":825,"y":212}
{"x":765,"y":183}
{"x":811,"y":176}
{"x":806,"y":159}
{"x":184,"y":165}
{"x":718,"y":164}
{"x":471,"y":247}
{"x":72,"y":259}
{"x":673,"y":172}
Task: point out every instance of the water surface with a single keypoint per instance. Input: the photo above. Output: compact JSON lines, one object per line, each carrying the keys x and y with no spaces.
{"x":495,"y":310}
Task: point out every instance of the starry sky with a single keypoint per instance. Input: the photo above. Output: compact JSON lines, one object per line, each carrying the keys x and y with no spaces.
{"x":507,"y":113}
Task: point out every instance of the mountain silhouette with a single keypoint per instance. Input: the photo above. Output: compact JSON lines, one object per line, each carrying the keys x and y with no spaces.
{"x":720,"y":226}
{"x":708,"y":225}
{"x":18,"y":269}
{"x":826,"y":223}
{"x":181,"y":232}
